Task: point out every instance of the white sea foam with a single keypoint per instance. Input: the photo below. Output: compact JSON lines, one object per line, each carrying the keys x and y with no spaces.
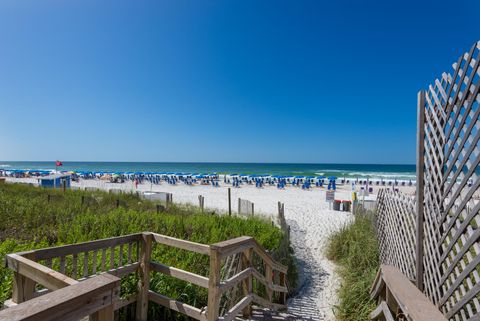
{"x":382,"y":175}
{"x":4,"y":166}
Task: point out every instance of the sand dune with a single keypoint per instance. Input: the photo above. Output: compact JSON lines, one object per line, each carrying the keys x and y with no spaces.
{"x":307,"y":213}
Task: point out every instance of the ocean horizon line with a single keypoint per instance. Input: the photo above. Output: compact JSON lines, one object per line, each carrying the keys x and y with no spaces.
{"x":205,"y":162}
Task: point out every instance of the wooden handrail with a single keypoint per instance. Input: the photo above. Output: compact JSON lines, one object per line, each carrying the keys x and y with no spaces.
{"x":237,"y":308}
{"x":233,"y":246}
{"x":399,"y":293}
{"x":39,"y":273}
{"x":64,"y":250}
{"x":267,"y":258}
{"x":181,"y":244}
{"x":245,"y":245}
{"x":240,"y":244}
{"x":236,"y":279}
{"x":178,"y":306}
{"x":382,"y":312}
{"x":95,"y":295}
{"x":180,"y":274}
{"x":263,"y":280}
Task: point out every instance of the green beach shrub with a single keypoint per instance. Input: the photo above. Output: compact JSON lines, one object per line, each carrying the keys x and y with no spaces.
{"x":355,"y":249}
{"x":32,"y":217}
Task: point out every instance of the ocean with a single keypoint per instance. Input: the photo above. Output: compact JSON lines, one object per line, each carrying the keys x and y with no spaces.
{"x":374,"y":171}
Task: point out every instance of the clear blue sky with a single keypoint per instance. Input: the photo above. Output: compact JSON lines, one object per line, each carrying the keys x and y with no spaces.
{"x":238,"y":81}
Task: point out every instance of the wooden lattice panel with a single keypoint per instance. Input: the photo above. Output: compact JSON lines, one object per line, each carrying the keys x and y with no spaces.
{"x":395,"y":225}
{"x":452,"y":190}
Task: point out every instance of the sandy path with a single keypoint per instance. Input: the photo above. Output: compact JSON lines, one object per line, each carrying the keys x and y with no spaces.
{"x":311,"y":224}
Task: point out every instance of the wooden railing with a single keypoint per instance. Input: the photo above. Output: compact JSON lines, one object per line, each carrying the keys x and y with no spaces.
{"x":95,"y":297}
{"x":396,"y":293}
{"x":434,"y":241}
{"x":38,"y":272}
{"x":58,"y":267}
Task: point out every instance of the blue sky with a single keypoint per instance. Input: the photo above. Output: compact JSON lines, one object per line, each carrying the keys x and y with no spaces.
{"x":237,"y":81}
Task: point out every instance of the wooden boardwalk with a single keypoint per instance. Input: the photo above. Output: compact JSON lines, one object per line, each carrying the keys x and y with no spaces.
{"x":262,"y":314}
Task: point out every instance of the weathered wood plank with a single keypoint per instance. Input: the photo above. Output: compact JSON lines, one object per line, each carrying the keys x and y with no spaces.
{"x":410,"y":300}
{"x":237,"y":308}
{"x":182,"y":244}
{"x":214,"y":285}
{"x":43,"y":275}
{"x":178,"y":306}
{"x":70,"y":303}
{"x":23,"y":287}
{"x":64,"y":250}
{"x":382,"y":313}
{"x":234,"y":280}
{"x":247,"y":284}
{"x":268,"y":259}
{"x":180,"y":274}
{"x":144,"y":277}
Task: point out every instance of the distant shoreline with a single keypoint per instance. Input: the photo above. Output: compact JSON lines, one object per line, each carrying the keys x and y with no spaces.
{"x":347,"y":171}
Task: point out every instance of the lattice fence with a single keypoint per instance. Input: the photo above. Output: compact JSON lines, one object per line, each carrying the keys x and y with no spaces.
{"x":449,"y":189}
{"x":452,"y":189}
{"x":395,"y":225}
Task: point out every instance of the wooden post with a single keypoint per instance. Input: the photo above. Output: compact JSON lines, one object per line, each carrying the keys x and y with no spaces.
{"x":239,"y":205}
{"x":269,"y":276}
{"x":83,"y":199}
{"x":283,"y":295}
{"x":48,"y":198}
{"x":229,"y":202}
{"x":201,"y":202}
{"x":253,"y":209}
{"x":105,"y":314}
{"x":420,"y":187}
{"x":279,"y":212}
{"x":213,"y":285}
{"x":118,"y":203}
{"x":23,"y":287}
{"x":144,"y":277}
{"x":247,"y":284}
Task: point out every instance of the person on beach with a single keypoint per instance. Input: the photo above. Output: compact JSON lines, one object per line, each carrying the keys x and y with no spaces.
{"x":136,"y":183}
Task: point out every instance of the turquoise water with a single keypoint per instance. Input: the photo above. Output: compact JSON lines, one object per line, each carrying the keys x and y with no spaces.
{"x":340,"y":170}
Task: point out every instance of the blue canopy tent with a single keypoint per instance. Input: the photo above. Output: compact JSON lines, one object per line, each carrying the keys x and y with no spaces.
{"x":331,"y":183}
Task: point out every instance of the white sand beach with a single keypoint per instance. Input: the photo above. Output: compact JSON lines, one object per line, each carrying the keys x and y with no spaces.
{"x":306,"y":211}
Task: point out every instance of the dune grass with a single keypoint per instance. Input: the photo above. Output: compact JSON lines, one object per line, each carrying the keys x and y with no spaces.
{"x":32,"y":217}
{"x":355,"y":249}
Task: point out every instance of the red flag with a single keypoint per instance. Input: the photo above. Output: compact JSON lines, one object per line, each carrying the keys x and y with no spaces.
{"x":58,"y":163}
